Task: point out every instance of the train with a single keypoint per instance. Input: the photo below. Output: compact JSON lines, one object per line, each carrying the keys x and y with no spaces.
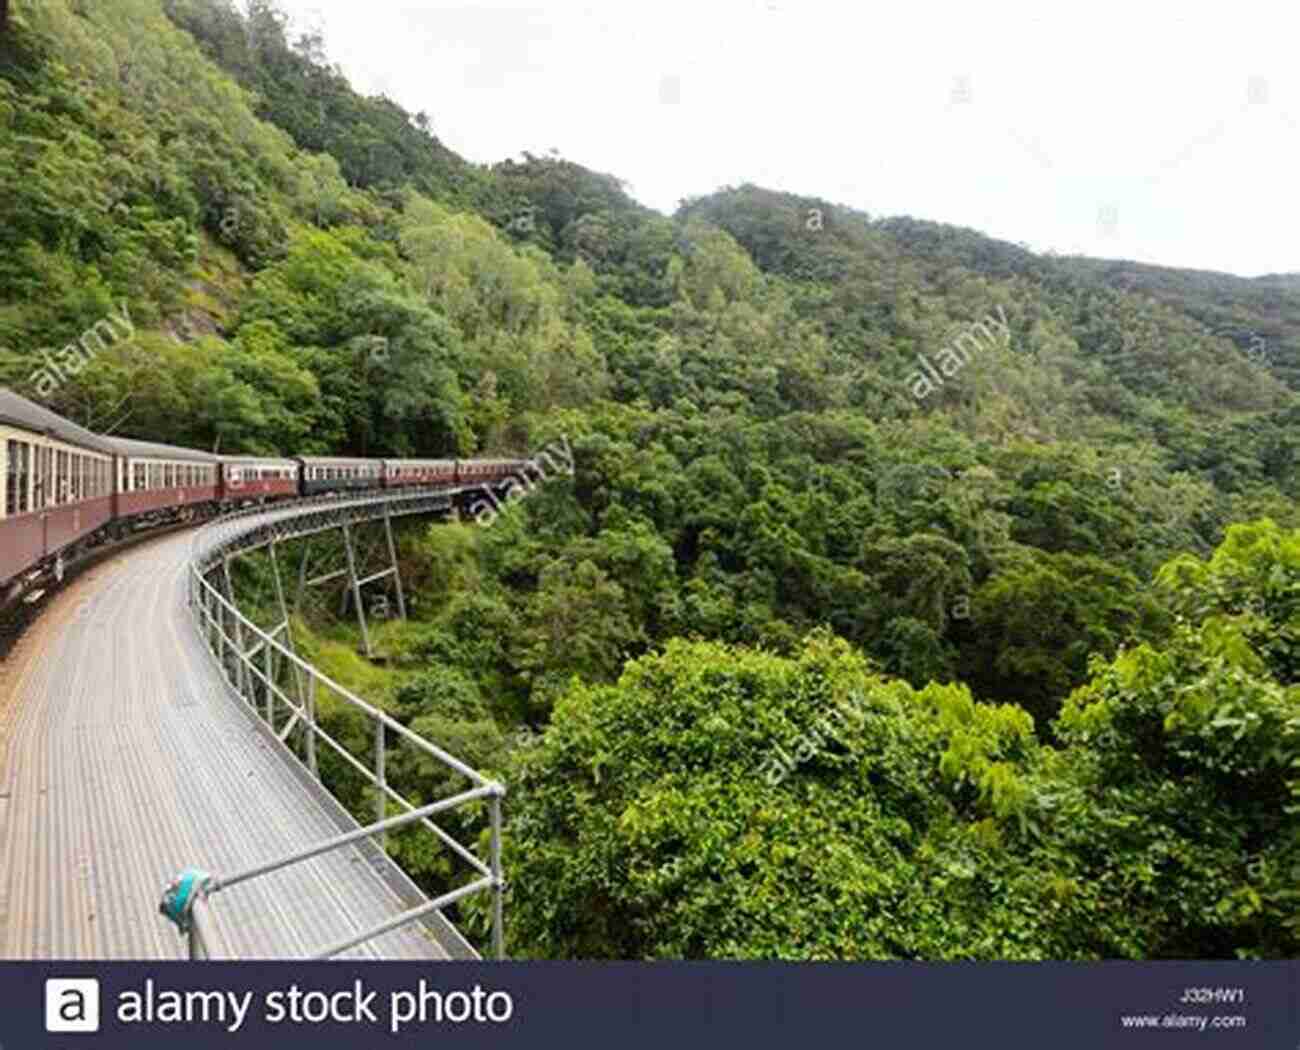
{"x":68,"y":489}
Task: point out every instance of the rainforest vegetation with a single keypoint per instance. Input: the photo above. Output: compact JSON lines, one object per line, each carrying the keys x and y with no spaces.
{"x":800,"y":661}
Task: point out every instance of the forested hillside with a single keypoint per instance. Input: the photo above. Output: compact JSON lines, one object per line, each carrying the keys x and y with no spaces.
{"x":849,"y":634}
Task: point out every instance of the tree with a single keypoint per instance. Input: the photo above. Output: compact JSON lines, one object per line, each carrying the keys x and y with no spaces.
{"x":721,"y":802}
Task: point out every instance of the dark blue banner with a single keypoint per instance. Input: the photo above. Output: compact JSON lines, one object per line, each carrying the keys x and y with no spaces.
{"x":659,"y":1006}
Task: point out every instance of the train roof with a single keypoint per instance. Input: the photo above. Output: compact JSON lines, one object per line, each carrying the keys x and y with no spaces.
{"x":18,"y":412}
{"x":133,"y":449}
{"x":338,"y":461}
{"x":282,"y":461}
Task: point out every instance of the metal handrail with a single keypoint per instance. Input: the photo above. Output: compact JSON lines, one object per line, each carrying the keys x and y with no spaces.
{"x":210,"y":610}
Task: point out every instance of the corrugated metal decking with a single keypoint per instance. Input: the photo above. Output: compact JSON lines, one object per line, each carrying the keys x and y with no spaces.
{"x":124,"y":758}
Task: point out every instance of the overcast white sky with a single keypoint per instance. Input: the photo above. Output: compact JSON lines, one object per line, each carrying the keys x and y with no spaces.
{"x":1163,"y":132}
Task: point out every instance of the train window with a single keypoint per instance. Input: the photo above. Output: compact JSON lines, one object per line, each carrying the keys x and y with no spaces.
{"x":13,"y":477}
{"x":43,"y":482}
{"x":61,"y":485}
{"x":24,"y":477}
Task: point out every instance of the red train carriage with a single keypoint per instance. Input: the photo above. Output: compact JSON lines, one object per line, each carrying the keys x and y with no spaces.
{"x":245,"y":478}
{"x":399,"y":473}
{"x":58,"y":485}
{"x":161,"y":480}
{"x":471,"y":471}
{"x":320,"y":474}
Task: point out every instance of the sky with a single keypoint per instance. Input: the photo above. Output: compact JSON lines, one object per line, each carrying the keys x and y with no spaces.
{"x":1161,"y":132}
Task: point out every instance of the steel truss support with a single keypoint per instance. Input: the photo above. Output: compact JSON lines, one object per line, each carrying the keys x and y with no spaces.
{"x":392,"y":559}
{"x":355,"y":584}
{"x":351,"y":574}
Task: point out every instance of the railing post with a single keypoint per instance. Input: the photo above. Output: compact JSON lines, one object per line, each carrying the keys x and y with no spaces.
{"x":498,"y":880}
{"x":219,"y":622}
{"x":381,"y":780}
{"x":284,"y":617}
{"x":237,"y":641}
{"x":311,"y":726}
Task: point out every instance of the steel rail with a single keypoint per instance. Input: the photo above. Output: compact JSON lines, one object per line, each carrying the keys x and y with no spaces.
{"x":347,"y":839}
